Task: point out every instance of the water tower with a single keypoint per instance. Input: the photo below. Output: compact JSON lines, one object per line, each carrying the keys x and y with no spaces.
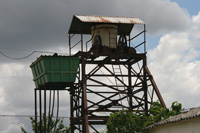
{"x":113,"y":73}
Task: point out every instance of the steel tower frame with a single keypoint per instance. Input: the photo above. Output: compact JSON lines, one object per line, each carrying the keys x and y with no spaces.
{"x":109,"y":81}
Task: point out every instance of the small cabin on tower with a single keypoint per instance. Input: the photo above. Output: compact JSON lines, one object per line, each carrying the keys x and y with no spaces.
{"x":107,"y":33}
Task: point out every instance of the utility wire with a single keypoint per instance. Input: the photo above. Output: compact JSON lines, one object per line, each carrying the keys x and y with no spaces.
{"x":21,"y":58}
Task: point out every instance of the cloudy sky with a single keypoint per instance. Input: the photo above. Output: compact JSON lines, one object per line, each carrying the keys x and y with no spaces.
{"x":30,"y":25}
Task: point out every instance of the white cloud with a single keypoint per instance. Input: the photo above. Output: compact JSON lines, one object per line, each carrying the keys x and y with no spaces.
{"x":161,"y":16}
{"x":40,"y":24}
{"x":2,"y":98}
{"x":17,"y":91}
{"x":17,"y":87}
{"x":196,"y":19}
{"x":175,"y":65}
{"x":11,"y":70}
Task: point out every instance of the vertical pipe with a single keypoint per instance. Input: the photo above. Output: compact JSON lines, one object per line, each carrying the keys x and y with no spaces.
{"x":49,"y":113}
{"x":70,"y":44}
{"x":78,"y":98}
{"x":129,"y":38}
{"x":129,"y":87}
{"x":71,"y":109}
{"x":35,"y":110}
{"x":45,"y":110}
{"x":145,"y":74}
{"x":84,"y":97}
{"x":57,"y":111}
{"x":40,"y":101}
{"x":145,"y":86}
{"x":82,"y":43}
{"x":145,"y":39}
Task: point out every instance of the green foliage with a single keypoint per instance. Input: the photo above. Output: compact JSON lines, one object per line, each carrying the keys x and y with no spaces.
{"x":131,"y":122}
{"x":158,"y":113}
{"x":176,"y":108}
{"x":125,"y":122}
{"x":50,"y":125}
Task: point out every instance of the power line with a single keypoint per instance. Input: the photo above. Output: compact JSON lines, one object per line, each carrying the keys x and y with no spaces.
{"x":21,"y":58}
{"x":14,"y":49}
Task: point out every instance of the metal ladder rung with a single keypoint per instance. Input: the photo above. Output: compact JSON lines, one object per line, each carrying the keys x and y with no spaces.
{"x":117,"y":70}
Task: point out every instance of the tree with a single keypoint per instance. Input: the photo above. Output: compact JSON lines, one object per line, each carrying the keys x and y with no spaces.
{"x":50,"y":125}
{"x":158,"y":113}
{"x":125,"y":121}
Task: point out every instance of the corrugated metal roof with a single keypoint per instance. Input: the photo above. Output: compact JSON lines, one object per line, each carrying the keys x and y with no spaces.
{"x":105,"y":19}
{"x":184,"y":116}
{"x":81,"y":24}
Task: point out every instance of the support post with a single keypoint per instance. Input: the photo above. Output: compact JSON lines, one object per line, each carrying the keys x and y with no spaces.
{"x":82,"y":43}
{"x":72,"y":109}
{"x":129,"y":88}
{"x":145,"y":86}
{"x":40,"y":101}
{"x":35,"y":109}
{"x":145,"y":51}
{"x":70,"y":44}
{"x":44,"y":110}
{"x":84,"y":96}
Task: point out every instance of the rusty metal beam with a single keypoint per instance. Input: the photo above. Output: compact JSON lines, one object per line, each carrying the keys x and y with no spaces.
{"x":84,"y":101}
{"x":111,"y":87}
{"x":156,"y":88}
{"x":145,"y":87}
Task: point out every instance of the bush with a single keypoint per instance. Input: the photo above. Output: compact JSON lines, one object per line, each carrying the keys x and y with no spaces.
{"x":132,"y":122}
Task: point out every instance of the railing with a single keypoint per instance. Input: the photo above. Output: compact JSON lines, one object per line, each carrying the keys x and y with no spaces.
{"x":139,"y":46}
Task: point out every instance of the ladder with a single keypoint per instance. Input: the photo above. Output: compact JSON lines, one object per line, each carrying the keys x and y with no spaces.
{"x":118,"y":71}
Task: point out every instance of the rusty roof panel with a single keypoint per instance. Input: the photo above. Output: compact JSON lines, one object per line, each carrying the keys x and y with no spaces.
{"x":82,"y":24}
{"x":103,"y":19}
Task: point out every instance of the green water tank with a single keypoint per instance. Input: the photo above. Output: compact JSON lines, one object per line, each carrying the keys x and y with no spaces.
{"x":56,"y":72}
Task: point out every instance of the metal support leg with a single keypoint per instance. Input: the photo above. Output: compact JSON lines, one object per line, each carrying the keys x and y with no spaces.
{"x":72,"y":109}
{"x":44,"y":110}
{"x":84,"y":111}
{"x":40,"y":101}
{"x":35,"y":109}
{"x":145,"y":86}
{"x":129,"y":88}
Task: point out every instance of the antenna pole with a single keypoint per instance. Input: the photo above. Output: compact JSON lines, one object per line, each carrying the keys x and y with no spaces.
{"x":145,"y":49}
{"x":70,"y":44}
